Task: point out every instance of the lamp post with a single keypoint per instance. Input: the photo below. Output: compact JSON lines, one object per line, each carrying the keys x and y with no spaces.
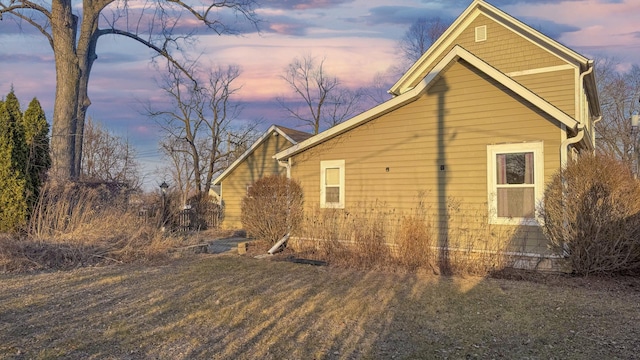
{"x":163,"y":189}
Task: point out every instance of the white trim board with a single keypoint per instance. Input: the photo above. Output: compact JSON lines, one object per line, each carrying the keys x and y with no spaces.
{"x":453,"y":56}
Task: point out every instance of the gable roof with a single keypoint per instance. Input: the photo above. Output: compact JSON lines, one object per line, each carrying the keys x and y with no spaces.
{"x":293,"y":136}
{"x":413,"y":76}
{"x":414,"y":93}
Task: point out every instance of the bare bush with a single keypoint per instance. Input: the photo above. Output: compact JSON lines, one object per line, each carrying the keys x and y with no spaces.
{"x":64,"y":209}
{"x":272,"y":207}
{"x":414,"y":239}
{"x":378,"y":237}
{"x":475,"y":246}
{"x":370,"y":230}
{"x":75,"y":225}
{"x":591,"y":214}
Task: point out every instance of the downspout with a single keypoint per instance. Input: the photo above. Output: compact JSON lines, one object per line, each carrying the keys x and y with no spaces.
{"x":287,"y":165}
{"x":582,"y":96}
{"x":564,"y":149}
{"x":564,"y":146}
{"x":278,"y":245}
{"x":581,"y":125}
{"x":593,"y":132}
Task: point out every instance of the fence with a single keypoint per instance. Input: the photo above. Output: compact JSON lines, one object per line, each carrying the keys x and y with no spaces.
{"x":185,"y":220}
{"x":192,"y":220}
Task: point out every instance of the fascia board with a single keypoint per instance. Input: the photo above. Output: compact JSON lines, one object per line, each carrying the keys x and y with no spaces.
{"x":388,"y":106}
{"x":476,"y":8}
{"x":517,"y":88}
{"x":429,"y":56}
{"x":277,"y":129}
{"x":411,"y":95}
{"x":248,"y":152}
{"x":368,"y":115}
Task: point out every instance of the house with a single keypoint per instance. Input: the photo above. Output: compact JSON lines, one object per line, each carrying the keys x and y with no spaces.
{"x":255,"y":163}
{"x":479,"y":123}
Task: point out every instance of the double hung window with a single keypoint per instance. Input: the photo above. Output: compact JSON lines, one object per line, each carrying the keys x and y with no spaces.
{"x":515,"y":179}
{"x":332,"y":184}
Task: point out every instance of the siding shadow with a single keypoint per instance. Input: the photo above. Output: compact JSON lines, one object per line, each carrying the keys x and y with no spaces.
{"x":443,"y":213}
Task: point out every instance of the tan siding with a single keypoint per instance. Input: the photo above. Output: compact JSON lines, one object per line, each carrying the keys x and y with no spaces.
{"x":557,"y":87}
{"x":258,"y":164}
{"x":509,"y":52}
{"x":504,"y":49}
{"x":451,"y":125}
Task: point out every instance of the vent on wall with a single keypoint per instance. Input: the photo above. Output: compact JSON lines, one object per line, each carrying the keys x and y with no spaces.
{"x":481,"y":33}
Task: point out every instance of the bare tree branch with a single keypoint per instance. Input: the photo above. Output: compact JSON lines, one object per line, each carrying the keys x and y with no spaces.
{"x":14,"y":9}
{"x":197,"y":131}
{"x":619,"y":92}
{"x":157,"y":26}
{"x":324,"y":102}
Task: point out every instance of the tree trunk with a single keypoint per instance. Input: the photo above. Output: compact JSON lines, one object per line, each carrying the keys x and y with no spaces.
{"x":86,"y":56}
{"x":64,"y":26}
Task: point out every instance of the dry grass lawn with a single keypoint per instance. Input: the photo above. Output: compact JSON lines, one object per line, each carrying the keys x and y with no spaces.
{"x":232,"y":307}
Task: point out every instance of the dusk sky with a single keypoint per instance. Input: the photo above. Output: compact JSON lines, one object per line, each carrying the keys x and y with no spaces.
{"x":358,"y":38}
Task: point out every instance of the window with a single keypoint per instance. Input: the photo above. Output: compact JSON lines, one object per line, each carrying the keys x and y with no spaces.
{"x":332,"y":184}
{"x":515,"y":175}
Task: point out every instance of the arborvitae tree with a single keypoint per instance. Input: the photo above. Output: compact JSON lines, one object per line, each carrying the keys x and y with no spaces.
{"x":13,"y":204}
{"x":36,"y":130}
{"x":15,"y":130}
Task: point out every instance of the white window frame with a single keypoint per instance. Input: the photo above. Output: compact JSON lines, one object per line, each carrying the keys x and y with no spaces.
{"x":331,"y":164}
{"x":481,"y":33}
{"x":538,"y":178}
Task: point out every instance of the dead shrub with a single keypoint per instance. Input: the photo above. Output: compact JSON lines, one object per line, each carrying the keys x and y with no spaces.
{"x":378,"y":237}
{"x":414,"y":240}
{"x":369,"y":229}
{"x":320,"y":233}
{"x":354,"y":240}
{"x":474,"y":245}
{"x":75,"y":225}
{"x":591,"y":214}
{"x":271,"y":208}
{"x":65,"y":208}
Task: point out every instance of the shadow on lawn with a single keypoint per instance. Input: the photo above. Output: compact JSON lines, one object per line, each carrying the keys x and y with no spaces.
{"x":214,"y":308}
{"x":242,"y":308}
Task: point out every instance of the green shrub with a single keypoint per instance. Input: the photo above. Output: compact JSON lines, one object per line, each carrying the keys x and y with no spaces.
{"x":272,"y":207}
{"x":591,"y":214}
{"x":24,"y":160}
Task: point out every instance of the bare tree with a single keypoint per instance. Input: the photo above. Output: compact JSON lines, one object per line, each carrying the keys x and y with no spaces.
{"x":199,"y":123}
{"x":180,"y":169}
{"x":108,"y":157}
{"x":74,"y":40}
{"x":619,"y":92}
{"x":321,"y":98}
{"x":418,"y":38}
{"x":378,"y":90}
